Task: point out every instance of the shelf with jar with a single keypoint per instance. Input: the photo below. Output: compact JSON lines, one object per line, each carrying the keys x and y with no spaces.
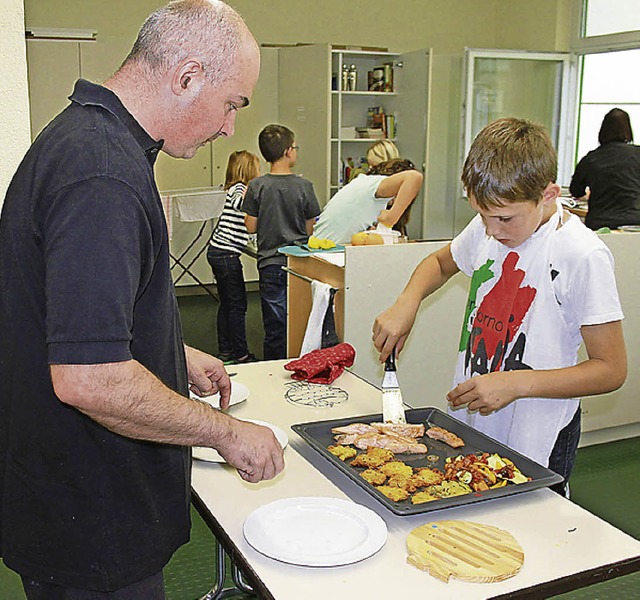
{"x":332,"y":124}
{"x":362,"y":72}
{"x":363,"y":107}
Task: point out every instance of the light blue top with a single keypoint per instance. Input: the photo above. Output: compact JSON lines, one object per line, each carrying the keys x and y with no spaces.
{"x":354,"y":208}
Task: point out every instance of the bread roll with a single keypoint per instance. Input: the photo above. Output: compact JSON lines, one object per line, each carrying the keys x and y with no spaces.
{"x":366,"y":238}
{"x":374,"y":239}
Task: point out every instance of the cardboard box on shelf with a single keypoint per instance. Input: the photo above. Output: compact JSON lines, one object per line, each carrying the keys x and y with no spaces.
{"x":347,"y":132}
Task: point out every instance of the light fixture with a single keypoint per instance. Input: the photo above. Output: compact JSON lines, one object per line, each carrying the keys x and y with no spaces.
{"x":50,"y":33}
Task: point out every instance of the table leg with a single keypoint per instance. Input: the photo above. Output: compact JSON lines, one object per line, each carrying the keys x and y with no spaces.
{"x":219,"y":591}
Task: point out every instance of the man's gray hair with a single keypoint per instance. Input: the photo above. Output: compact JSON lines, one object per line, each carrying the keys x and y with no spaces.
{"x":208,"y":30}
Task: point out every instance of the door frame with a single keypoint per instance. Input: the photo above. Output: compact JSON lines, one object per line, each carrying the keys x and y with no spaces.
{"x":565,"y":113}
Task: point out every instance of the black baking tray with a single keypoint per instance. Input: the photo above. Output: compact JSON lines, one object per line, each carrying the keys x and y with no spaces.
{"x":318,"y":435}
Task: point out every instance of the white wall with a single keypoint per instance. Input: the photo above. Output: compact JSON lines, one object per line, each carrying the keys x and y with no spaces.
{"x":14,"y":100}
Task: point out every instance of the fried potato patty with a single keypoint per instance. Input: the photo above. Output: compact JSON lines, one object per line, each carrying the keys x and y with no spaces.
{"x":394,"y":493}
{"x":396,"y":467}
{"x":342,"y":452}
{"x":372,"y":458}
{"x":373,"y":476}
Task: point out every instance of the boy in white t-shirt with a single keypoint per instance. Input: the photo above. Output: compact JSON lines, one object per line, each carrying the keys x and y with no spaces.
{"x":541,"y":284}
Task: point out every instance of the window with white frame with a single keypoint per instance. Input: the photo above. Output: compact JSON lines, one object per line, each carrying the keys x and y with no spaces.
{"x":609,"y":81}
{"x":604,"y":17}
{"x":608,"y":44}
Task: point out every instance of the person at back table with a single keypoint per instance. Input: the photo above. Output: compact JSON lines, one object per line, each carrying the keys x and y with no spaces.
{"x":227,"y":242}
{"x":612,"y":174}
{"x":281,"y":208}
{"x":384,"y":195}
{"x":541,"y":284}
{"x":381,"y":151}
{"x":95,"y":418}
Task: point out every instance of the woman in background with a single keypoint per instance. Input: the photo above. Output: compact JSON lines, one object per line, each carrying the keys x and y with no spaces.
{"x":381,"y":151}
{"x":384,"y":195}
{"x":228,"y":239}
{"x":612,"y":174}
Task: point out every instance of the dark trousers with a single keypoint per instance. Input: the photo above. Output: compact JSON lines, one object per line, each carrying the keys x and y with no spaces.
{"x":563,"y":455}
{"x":232,"y":311}
{"x":273,"y":299}
{"x":151,"y":588}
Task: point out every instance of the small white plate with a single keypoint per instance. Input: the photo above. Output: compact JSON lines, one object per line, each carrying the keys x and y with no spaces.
{"x":315,"y":532}
{"x":634,"y":228}
{"x":239,"y":393}
{"x":211,"y":455}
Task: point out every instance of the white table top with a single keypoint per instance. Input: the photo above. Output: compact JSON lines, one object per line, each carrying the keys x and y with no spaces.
{"x":558,"y":537}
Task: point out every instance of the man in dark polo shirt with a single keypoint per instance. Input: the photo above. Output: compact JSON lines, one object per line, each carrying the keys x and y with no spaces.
{"x":95,"y":424}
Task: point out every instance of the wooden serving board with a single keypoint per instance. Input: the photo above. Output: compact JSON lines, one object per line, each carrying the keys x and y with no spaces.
{"x":468,"y":551}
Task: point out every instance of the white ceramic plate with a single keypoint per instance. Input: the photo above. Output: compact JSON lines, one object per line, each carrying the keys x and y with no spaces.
{"x":239,"y":393}
{"x":634,"y":228}
{"x":211,"y":455}
{"x":315,"y":532}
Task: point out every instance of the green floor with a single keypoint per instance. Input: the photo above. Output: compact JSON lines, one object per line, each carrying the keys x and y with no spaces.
{"x":605,"y":481}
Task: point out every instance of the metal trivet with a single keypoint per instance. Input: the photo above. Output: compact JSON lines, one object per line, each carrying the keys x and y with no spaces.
{"x":315,"y":395}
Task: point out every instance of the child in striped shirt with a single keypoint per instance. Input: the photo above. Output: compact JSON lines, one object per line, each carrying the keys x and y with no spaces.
{"x":228,"y":239}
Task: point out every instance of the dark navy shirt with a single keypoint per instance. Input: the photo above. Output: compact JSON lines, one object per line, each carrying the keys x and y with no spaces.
{"x":85,"y":279}
{"x":612,"y":172}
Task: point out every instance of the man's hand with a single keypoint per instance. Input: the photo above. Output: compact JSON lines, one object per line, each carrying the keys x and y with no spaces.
{"x":486,"y":393}
{"x":207,"y":376}
{"x":252,"y":449}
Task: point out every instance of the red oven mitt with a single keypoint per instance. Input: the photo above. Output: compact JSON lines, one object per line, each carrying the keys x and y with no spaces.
{"x":322,"y":366}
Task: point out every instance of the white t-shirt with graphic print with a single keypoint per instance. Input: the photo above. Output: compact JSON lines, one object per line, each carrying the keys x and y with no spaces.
{"x":526,"y":306}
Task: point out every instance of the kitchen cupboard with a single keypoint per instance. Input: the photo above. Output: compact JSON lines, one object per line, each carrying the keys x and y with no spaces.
{"x":324,"y":116}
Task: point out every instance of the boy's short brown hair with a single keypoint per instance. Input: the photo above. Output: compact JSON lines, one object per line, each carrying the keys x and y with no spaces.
{"x":274,"y":140}
{"x":511,"y":160}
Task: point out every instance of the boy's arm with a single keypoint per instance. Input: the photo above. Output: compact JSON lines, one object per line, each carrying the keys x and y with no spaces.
{"x":392,"y":327}
{"x":251,"y":223}
{"x":605,"y":370}
{"x":403,"y":187}
{"x":309,"y":226}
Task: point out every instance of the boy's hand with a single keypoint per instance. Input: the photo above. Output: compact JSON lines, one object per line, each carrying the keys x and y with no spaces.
{"x":486,"y":393}
{"x":392,"y":327}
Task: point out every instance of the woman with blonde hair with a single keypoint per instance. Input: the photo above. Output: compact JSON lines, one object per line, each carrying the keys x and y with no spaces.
{"x":381,"y":151}
{"x":384,"y":195}
{"x":228,"y":239}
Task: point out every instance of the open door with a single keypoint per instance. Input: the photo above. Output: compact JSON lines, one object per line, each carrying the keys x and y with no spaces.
{"x":414,"y":86}
{"x":538,"y":86}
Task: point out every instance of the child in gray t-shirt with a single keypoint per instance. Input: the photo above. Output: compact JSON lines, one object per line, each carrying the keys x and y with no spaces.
{"x":281,"y":208}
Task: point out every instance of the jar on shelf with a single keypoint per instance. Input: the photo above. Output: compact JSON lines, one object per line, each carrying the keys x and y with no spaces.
{"x":353,"y":78}
{"x":345,"y":78}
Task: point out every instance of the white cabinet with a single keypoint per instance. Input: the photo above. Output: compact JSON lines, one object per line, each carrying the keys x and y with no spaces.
{"x":322,"y":114}
{"x":352,"y":105}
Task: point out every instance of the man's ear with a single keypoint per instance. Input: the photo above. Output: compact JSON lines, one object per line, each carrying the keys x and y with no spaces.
{"x":188,"y":77}
{"x":551,"y":193}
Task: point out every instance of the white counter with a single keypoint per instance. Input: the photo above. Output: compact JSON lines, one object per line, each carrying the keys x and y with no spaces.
{"x":565,"y":546}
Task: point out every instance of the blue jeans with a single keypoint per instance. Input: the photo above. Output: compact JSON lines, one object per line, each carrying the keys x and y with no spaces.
{"x":563,"y":455}
{"x":232,"y":312}
{"x":273,"y":299}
